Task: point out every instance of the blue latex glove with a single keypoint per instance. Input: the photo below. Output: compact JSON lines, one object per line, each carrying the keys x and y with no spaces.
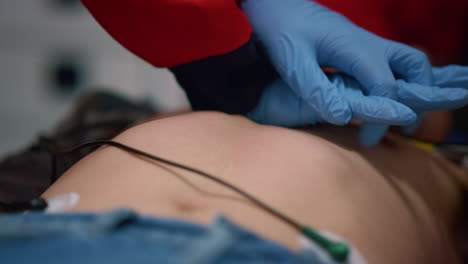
{"x":421,"y":99}
{"x":280,"y":106}
{"x":301,"y":36}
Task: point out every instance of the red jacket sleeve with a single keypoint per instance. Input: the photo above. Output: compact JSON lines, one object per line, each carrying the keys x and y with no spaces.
{"x":168,"y":33}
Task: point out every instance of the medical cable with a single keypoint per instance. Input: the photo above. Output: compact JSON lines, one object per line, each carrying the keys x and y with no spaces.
{"x":338,"y":251}
{"x":431,"y":145}
{"x":455,"y":152}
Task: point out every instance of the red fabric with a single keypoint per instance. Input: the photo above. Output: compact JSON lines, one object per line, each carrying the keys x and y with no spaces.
{"x":436,"y":26}
{"x":168,"y":33}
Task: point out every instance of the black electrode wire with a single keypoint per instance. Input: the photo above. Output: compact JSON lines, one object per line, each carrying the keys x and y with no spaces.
{"x":200,"y":190}
{"x":228,"y":185}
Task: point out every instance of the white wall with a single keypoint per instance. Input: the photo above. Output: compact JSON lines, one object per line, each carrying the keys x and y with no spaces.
{"x":34,"y":34}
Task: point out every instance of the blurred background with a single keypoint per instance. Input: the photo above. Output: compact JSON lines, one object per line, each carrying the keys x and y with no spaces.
{"x":52,"y":51}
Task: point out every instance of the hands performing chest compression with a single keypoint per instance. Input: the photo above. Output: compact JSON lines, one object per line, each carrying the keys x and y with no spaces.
{"x":379,"y":81}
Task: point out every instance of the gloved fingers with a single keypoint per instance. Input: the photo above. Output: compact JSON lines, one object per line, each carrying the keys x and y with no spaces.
{"x":412,"y":128}
{"x":431,"y":98}
{"x":370,"y":134}
{"x":381,"y":110}
{"x":280,"y":106}
{"x":375,"y":77}
{"x":410,"y":64}
{"x":373,"y":109}
{"x":313,"y":86}
{"x":451,"y":76}
{"x":378,"y":113}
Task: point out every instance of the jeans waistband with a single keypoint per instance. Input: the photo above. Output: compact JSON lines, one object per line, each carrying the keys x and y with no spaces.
{"x":123,"y":236}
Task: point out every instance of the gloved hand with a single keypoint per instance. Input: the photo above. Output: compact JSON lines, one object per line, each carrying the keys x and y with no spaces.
{"x":301,"y":36}
{"x":280,"y":106}
{"x":451,"y":76}
{"x":421,"y":99}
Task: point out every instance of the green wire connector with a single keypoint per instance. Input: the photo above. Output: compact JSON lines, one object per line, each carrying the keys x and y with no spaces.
{"x":338,"y":251}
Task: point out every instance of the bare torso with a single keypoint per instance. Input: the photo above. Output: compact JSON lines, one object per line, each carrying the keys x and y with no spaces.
{"x":395,"y":203}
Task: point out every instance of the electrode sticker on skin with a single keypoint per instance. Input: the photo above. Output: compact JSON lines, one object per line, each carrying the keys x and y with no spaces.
{"x":355,"y":257}
{"x":62,"y":202}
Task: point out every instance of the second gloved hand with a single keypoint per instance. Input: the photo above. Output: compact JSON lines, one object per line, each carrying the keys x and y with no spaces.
{"x":280,"y":106}
{"x":423,"y":98}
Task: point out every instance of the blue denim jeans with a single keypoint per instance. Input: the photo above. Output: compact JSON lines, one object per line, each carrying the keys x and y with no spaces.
{"x":122,"y":236}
